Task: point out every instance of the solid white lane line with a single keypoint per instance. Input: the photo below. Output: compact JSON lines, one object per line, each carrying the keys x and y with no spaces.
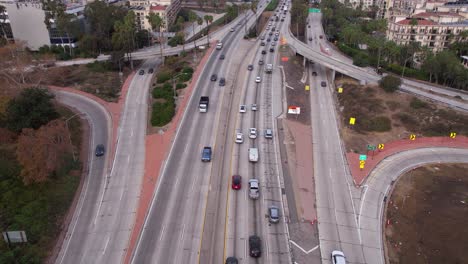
{"x":105,"y":247}
{"x":162,"y":233}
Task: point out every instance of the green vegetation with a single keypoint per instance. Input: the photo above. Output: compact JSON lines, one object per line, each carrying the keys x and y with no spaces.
{"x":390,"y":83}
{"x":353,"y":29}
{"x":272,"y":5}
{"x":299,"y":15}
{"x":417,"y":104}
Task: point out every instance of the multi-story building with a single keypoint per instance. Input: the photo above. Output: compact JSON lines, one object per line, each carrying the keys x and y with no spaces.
{"x":166,"y":9}
{"x":432,"y":30}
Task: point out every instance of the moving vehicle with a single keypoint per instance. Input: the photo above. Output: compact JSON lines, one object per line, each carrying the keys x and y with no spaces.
{"x":255,"y":246}
{"x":239,"y":138}
{"x":232,"y":30}
{"x":314,"y":73}
{"x":203,"y":105}
{"x":260,"y":62}
{"x":258,"y":79}
{"x":250,"y":67}
{"x":242,"y":108}
{"x":272,"y":49}
{"x":253,"y":154}
{"x":338,"y":257}
{"x":150,"y":70}
{"x":269,"y":68}
{"x":254,"y":187}
{"x":100,"y":150}
{"x":219,"y":45}
{"x":141,"y":72}
{"x":273,"y":214}
{"x":323,"y":84}
{"x":268,"y":133}
{"x":231,"y":260}
{"x":254,"y":107}
{"x":263,"y":51}
{"x":206,"y":154}
{"x":214,"y":77}
{"x":222,"y":57}
{"x":252,"y":133}
{"x":222,"y":82}
{"x":236,"y":182}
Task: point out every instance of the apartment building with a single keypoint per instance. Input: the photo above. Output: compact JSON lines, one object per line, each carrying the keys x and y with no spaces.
{"x":166,"y":9}
{"x":430,"y":29}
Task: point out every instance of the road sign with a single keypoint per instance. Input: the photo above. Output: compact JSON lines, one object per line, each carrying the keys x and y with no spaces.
{"x":361,"y":164}
{"x":371,"y":147}
{"x":314,"y":10}
{"x":352,"y":121}
{"x":294,"y":110}
{"x":412,"y":137}
{"x":381,"y":146}
{"x":307,"y":87}
{"x":453,"y":135}
{"x":362,"y":157}
{"x":15,"y":237}
{"x":284,"y":58}
{"x":340,"y":89}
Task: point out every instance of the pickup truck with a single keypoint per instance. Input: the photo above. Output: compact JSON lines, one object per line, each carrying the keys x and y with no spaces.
{"x":204,"y":102}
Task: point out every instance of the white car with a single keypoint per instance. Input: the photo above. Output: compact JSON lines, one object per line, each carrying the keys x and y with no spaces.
{"x":242,"y":108}
{"x":239,"y":138}
{"x":268,"y":133}
{"x":254,"y":107}
{"x":338,"y":257}
{"x":258,"y":79}
{"x":252,"y":133}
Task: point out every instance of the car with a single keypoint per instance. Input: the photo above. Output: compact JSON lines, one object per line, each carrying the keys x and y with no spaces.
{"x":250,"y":67}
{"x":232,"y":30}
{"x":273,"y":44}
{"x":268,"y":39}
{"x":222,"y":81}
{"x":100,"y":150}
{"x":276,"y":38}
{"x":272,"y":50}
{"x":242,"y":108}
{"x":206,"y":154}
{"x":150,"y":70}
{"x":255,"y":246}
{"x":214,"y":77}
{"x":308,"y":26}
{"x":222,"y":57}
{"x":314,"y":73}
{"x":267,"y":28}
{"x":252,"y":133}
{"x":231,"y":260}
{"x":268,"y":133}
{"x":321,"y":36}
{"x":262,"y":43}
{"x":338,"y":257}
{"x":277,"y":34}
{"x":239,"y":138}
{"x":141,"y":72}
{"x":262,"y":38}
{"x":254,"y":107}
{"x":263,"y":51}
{"x":254,"y":188}
{"x":282,"y":20}
{"x":258,"y":79}
{"x":269,"y":24}
{"x":323,"y":84}
{"x":236,"y":182}
{"x":310,"y":38}
{"x":271,"y":33}
{"x":273,"y":214}
{"x":260,"y":62}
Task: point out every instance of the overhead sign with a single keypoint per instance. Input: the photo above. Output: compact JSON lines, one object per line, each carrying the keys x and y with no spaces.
{"x":314,"y":10}
{"x":362,"y":157}
{"x":352,"y":121}
{"x":295,"y":110}
{"x":453,"y":135}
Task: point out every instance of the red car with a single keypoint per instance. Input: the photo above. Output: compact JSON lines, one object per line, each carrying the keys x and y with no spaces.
{"x":236,"y":182}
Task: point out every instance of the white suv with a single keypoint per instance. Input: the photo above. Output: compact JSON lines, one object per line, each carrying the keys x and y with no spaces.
{"x":252,"y":133}
{"x":239,"y":138}
{"x":338,"y":257}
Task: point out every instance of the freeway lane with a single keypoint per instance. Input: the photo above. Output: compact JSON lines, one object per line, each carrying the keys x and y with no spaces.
{"x":377,"y":186}
{"x":104,"y":224}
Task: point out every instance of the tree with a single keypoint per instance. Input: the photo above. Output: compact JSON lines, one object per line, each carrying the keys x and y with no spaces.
{"x":180,"y":22}
{"x":15,"y":62}
{"x":31,"y":109}
{"x":157,"y":23}
{"x":67,"y":23}
{"x":124,"y":36}
{"x":390,"y":83}
{"x":41,"y":152}
{"x":208,"y":19}
{"x":54,"y":9}
{"x":4,"y":35}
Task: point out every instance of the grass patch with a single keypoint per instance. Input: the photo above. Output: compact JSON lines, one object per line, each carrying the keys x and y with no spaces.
{"x":272,"y":5}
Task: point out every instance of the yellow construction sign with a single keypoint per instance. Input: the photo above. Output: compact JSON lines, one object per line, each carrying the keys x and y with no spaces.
{"x":361,"y":164}
{"x":352,"y":121}
{"x":340,"y":89}
{"x":453,"y":135}
{"x":412,"y":137}
{"x":381,"y":146}
{"x":307,"y":87}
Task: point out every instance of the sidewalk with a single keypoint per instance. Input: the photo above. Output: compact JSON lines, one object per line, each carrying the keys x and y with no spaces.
{"x":157,"y":151}
{"x":393,"y":147}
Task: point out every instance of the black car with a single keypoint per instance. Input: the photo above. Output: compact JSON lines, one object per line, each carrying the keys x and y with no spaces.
{"x":272,"y":49}
{"x":268,"y":39}
{"x":100,"y":150}
{"x":222,"y":57}
{"x":323,"y":84}
{"x":231,"y":260}
{"x":314,"y":73}
{"x":282,"y":20}
{"x":150,"y":70}
{"x":255,"y":246}
{"x":271,"y":33}
{"x":263,"y":51}
{"x":141,"y":72}
{"x":250,"y":67}
{"x":310,"y":39}
{"x":214,"y":77}
{"x":260,"y":62}
{"x":276,"y":38}
{"x":262,"y":43}
{"x":222,"y":81}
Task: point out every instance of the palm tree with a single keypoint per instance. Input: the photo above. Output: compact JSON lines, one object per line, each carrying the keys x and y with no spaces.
{"x":157,"y":23}
{"x":208,"y":20}
{"x":3,"y":10}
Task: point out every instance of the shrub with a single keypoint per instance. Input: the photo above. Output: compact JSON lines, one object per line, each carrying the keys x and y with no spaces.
{"x":417,"y":104}
{"x":185,"y":77}
{"x":390,"y":83}
{"x":361,"y":59}
{"x":163,"y":92}
{"x":380,"y":124}
{"x":180,"y":86}
{"x":163,"y":76}
{"x":162,"y":113}
{"x":187,"y":70}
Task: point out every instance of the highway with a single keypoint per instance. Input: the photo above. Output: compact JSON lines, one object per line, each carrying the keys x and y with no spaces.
{"x":104,"y":218}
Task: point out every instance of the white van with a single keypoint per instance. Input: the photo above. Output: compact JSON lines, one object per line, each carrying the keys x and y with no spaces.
{"x":253,"y":154}
{"x":219,"y":45}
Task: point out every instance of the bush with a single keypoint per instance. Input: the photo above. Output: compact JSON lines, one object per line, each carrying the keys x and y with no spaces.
{"x":162,"y":113}
{"x":163,"y":92}
{"x":185,"y":77}
{"x":163,"y":76}
{"x":180,"y":86}
{"x":272,"y":5}
{"x":417,"y":104}
{"x":361,"y":59}
{"x":390,"y":83}
{"x":98,"y":66}
{"x":409,"y":72}
{"x":347,"y":50}
{"x":380,"y":124}
{"x":187,"y":70}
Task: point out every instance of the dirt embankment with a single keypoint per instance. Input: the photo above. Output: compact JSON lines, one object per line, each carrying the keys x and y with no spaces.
{"x":427,"y":215}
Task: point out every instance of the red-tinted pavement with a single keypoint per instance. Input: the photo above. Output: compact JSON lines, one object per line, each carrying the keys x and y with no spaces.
{"x":393,"y":147}
{"x":157,"y":150}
